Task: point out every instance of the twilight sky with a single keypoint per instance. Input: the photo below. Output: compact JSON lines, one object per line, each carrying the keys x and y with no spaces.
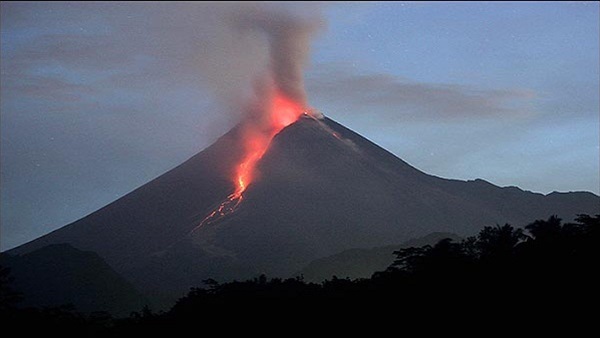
{"x":98,"y":99}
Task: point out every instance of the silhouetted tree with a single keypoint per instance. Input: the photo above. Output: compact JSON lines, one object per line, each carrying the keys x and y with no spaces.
{"x":411,"y":259}
{"x":498,"y":242}
{"x":554,"y":269}
{"x":8,"y":297}
{"x":590,"y":225}
{"x":546,"y":229}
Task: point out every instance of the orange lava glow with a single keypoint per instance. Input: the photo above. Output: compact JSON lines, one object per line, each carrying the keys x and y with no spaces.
{"x":280,"y":113}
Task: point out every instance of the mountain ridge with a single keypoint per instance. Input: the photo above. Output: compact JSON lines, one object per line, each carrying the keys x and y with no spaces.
{"x":362,"y":263}
{"x":320,"y":189}
{"x":58,"y":274}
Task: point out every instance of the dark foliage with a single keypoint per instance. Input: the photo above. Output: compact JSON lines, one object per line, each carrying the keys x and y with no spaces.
{"x":9,"y":299}
{"x":503,"y":270}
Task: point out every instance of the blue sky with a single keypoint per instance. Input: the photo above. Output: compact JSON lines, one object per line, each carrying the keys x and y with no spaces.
{"x":98,"y":99}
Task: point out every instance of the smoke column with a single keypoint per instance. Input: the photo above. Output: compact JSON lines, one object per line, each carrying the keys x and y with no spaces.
{"x":287,"y":33}
{"x":278,"y":97}
{"x":288,"y":37}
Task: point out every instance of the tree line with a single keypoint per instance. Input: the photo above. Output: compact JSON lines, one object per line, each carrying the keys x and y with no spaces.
{"x":547,"y":266}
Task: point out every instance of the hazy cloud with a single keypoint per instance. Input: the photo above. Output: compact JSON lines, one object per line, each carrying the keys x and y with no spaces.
{"x":398,"y":98}
{"x":220,"y":48}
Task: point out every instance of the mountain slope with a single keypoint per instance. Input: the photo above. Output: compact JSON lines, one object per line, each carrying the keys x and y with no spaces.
{"x":318,"y":195}
{"x":59,"y":274}
{"x":362,"y":263}
{"x":320,"y":189}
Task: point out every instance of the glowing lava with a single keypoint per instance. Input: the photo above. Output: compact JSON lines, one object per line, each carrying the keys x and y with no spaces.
{"x":280,"y":113}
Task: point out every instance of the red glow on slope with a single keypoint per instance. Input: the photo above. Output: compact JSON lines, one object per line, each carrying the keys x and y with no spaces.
{"x":283,"y":112}
{"x":280,"y":113}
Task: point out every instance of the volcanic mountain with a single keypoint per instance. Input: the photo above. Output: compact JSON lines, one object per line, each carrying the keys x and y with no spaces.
{"x":319,"y":189}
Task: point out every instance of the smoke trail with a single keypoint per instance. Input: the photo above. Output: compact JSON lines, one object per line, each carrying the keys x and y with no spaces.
{"x":279,"y":89}
{"x":289,"y":35}
{"x":240,"y":52}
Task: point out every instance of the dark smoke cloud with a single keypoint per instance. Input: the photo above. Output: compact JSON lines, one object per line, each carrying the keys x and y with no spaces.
{"x":225,"y":48}
{"x":249,"y":49}
{"x":289,"y":36}
{"x":400,"y":99}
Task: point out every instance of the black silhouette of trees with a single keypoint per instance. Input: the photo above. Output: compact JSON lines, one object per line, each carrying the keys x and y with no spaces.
{"x":8,"y":297}
{"x":547,"y":266}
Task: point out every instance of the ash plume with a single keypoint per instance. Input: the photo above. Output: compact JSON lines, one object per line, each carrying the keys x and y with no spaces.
{"x":262,"y":48}
{"x":225,"y":49}
{"x":288,"y":35}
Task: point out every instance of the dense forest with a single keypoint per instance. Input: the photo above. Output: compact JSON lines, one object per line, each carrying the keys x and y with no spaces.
{"x":547,"y":266}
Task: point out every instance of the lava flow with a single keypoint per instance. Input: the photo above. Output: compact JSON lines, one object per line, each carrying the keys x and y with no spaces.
{"x":281,"y":112}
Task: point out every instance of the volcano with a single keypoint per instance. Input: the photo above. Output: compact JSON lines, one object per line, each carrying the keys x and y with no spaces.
{"x":319,"y":189}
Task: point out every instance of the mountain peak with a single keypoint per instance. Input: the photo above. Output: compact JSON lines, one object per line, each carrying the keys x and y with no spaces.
{"x":319,"y":189}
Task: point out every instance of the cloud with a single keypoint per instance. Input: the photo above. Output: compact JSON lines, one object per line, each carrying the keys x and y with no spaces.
{"x":218,"y":49}
{"x":401,"y":99}
{"x":49,"y":88}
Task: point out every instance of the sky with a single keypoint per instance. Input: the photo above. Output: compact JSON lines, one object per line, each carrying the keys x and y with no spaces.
{"x":98,"y":99}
